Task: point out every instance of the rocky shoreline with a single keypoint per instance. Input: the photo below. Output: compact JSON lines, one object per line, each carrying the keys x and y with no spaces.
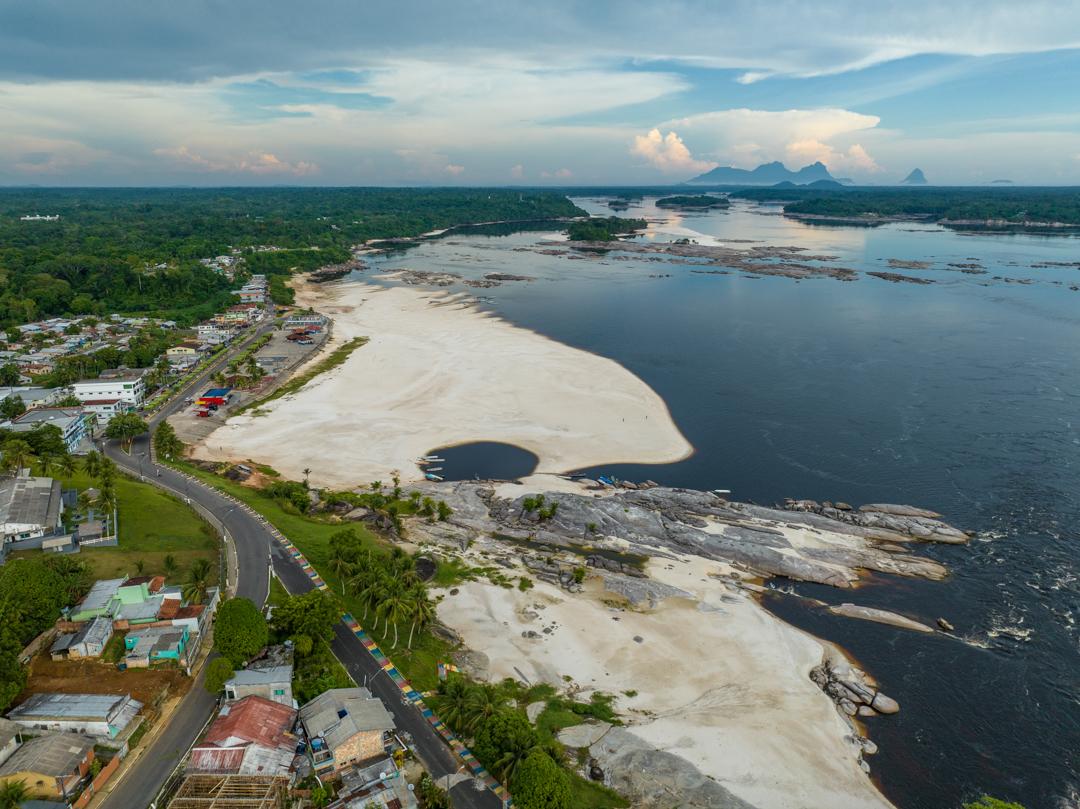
{"x":581,"y":535}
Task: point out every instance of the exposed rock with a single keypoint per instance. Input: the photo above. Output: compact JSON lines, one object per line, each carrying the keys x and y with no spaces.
{"x":945,"y":625}
{"x":884,"y":704}
{"x":534,"y":709}
{"x":867,"y":711}
{"x":878,"y":616}
{"x":583,"y":735}
{"x":655,"y":779}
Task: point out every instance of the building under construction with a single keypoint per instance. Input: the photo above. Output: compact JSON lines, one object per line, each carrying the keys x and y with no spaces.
{"x":231,"y":792}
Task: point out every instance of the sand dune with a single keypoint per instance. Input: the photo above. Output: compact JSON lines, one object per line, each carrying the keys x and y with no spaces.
{"x":436,"y":372}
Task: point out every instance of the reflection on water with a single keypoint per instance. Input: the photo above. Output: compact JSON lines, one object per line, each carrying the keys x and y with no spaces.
{"x":962,"y":396}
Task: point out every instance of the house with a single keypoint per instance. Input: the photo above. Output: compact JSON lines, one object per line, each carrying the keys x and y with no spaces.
{"x":103,"y":410}
{"x":379,"y":785}
{"x":273,"y":683}
{"x":215,"y":396}
{"x":123,"y":384}
{"x":29,"y":507}
{"x":9,"y":738}
{"x":184,"y":351}
{"x":50,"y":765}
{"x":250,"y":737}
{"x":345,"y":726}
{"x":89,"y":641}
{"x":155,"y":644}
{"x":213,"y":334}
{"x":98,"y":601}
{"x":31,"y":396}
{"x":103,"y":716}
{"x":74,"y":424}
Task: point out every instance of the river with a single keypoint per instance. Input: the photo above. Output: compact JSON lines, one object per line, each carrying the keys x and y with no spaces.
{"x":962,"y":396}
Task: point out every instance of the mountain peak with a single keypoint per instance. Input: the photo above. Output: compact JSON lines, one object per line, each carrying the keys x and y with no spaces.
{"x":916,"y":177}
{"x":765,"y":174}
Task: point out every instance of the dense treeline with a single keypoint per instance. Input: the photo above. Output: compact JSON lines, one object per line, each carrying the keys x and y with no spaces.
{"x":692,"y":201}
{"x":602,"y":229}
{"x":32,"y":593}
{"x":137,"y":250}
{"x":1014,"y":205}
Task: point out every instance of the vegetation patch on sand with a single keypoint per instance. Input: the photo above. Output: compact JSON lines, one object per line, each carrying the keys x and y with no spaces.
{"x":327,"y":363}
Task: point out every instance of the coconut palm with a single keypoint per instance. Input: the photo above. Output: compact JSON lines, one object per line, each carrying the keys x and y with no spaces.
{"x":106,"y":499}
{"x":194,"y":590}
{"x":169,"y":564}
{"x":394,"y":606}
{"x":342,"y":568}
{"x":483,"y":702}
{"x":422,"y":610}
{"x":13,"y":794}
{"x":18,"y":455}
{"x":92,"y":463}
{"x":65,"y":465}
{"x":453,"y":701}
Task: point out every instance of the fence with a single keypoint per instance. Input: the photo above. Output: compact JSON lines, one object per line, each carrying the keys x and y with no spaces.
{"x":99,"y":781}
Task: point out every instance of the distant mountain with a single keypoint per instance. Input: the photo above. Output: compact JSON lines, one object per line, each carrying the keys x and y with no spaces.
{"x":825,"y":184}
{"x":785,"y":184}
{"x":765,"y":174}
{"x":915,"y":178}
{"x":1001,"y":182}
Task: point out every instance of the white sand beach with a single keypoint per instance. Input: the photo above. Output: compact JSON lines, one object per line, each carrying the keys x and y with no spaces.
{"x":439,"y":372}
{"x":719,"y":681}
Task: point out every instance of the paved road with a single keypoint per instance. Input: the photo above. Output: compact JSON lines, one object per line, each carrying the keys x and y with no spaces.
{"x":255,"y":547}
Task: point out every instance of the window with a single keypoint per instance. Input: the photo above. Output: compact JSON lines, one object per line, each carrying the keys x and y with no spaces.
{"x":279,"y":692}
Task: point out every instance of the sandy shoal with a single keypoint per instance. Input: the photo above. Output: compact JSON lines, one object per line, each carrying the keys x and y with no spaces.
{"x":719,"y":681}
{"x":439,"y":372}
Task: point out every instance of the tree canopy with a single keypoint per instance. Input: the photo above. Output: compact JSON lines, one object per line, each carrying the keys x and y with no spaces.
{"x":540,"y":783}
{"x":240,"y":631}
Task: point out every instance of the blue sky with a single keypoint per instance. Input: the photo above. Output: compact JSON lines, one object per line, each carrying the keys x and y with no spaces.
{"x":340,"y":92}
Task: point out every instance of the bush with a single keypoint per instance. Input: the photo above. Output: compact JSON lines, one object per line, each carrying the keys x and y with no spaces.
{"x":986,"y":802}
{"x":540,"y":783}
{"x":240,"y":631}
{"x":218,"y":672}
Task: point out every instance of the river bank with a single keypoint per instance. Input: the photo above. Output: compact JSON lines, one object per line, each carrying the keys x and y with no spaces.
{"x":437,"y":372}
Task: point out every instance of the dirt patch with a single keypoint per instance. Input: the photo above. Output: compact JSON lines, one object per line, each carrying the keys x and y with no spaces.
{"x":148,"y":686}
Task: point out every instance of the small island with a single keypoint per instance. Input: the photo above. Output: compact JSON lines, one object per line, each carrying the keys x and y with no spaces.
{"x":693,"y":202}
{"x":602,"y":229}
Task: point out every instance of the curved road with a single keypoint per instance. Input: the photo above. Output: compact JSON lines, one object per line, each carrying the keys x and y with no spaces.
{"x":256,"y":550}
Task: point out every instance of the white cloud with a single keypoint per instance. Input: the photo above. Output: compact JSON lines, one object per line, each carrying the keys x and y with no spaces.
{"x":258,"y":163}
{"x":558,"y":174}
{"x":667,"y":153}
{"x":453,"y":169}
{"x":517,"y":171}
{"x":746,"y":137}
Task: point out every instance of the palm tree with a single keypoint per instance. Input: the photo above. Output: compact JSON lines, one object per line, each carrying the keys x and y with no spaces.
{"x":483,"y":702}
{"x":18,"y":455}
{"x":423,"y":610}
{"x":307,"y":474}
{"x":65,"y":465}
{"x":369,"y":592}
{"x":342,"y":568}
{"x":453,"y":701}
{"x":13,"y":794}
{"x":394,"y":606}
{"x":106,"y":471}
{"x":106,"y":499}
{"x":140,"y":566}
{"x":506,"y":765}
{"x":92,"y":463}
{"x":169,"y":564}
{"x":194,"y":590}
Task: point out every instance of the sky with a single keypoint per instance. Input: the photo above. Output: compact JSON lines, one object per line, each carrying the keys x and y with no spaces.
{"x":560,"y":92}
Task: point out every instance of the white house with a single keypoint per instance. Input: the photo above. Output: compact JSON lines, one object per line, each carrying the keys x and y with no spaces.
{"x":29,"y":507}
{"x":127,"y":386}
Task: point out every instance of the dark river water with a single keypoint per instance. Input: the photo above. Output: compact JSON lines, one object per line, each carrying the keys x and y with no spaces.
{"x":962,"y":396}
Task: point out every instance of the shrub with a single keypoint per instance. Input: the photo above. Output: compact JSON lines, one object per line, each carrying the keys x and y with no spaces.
{"x":240,"y":631}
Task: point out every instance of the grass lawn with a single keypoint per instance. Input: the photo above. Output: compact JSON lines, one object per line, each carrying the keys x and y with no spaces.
{"x":312,"y":536}
{"x":554,"y":718}
{"x":153,"y":525}
{"x":586,"y":794}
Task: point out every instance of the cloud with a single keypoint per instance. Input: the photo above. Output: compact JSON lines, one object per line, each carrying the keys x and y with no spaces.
{"x":746,"y":137}
{"x":667,"y":153}
{"x":258,"y":163}
{"x":453,"y":170}
{"x":200,"y":41}
{"x":558,"y":174}
{"x":517,"y":171}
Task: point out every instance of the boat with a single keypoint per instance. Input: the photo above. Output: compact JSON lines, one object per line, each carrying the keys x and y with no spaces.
{"x":430,"y":476}
{"x":435,"y":469}
{"x":431,"y":458}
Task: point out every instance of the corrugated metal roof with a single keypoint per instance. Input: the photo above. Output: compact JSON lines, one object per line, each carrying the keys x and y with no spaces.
{"x":254,"y":719}
{"x":216,"y":759}
{"x":268,"y":676}
{"x":56,"y":754}
{"x":340,"y":713}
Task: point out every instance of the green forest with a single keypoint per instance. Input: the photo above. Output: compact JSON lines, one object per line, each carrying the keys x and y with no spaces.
{"x":136,"y":251}
{"x":601,"y":229}
{"x":1014,"y":205}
